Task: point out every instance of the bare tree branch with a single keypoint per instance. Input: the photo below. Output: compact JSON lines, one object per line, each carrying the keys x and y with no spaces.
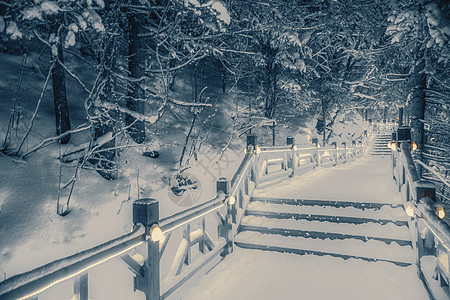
{"x":44,"y":88}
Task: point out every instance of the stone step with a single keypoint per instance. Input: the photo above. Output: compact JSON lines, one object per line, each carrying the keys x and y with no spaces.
{"x":333,"y":203}
{"x":348,"y":214}
{"x":316,"y":229}
{"x":371,"y":250}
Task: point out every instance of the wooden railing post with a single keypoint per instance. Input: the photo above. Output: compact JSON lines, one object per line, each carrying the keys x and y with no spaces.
{"x":400,"y":116}
{"x":315,"y":142}
{"x":344,"y":144}
{"x":246,"y":183}
{"x":146,"y":212}
{"x":292,"y":162}
{"x":252,"y":141}
{"x":80,"y":287}
{"x":224,"y":186}
{"x":255,"y":171}
{"x":187,"y":237}
{"x":334,"y":144}
{"x":354,"y":150}
{"x":360,"y":145}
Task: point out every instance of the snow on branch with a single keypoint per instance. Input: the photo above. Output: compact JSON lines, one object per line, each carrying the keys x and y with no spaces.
{"x":444,"y":181}
{"x":365,"y":96}
{"x":44,"y":88}
{"x":136,"y":115}
{"x":50,"y":140}
{"x":192,"y":59}
{"x":189,"y":104}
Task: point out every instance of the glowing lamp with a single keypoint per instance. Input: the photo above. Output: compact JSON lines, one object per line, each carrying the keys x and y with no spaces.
{"x":294,"y":147}
{"x":413,"y":146}
{"x":258,"y":150}
{"x":440,"y":212}
{"x":390,"y":145}
{"x":394,"y":146}
{"x":231,"y":200}
{"x":245,"y":150}
{"x":156,"y":234}
{"x":410,"y":210}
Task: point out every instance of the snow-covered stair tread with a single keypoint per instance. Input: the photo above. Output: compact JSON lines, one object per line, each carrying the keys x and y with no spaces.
{"x":369,"y":230}
{"x":370,"y":250}
{"x":380,"y":145}
{"x":323,"y":202}
{"x":384,"y":213}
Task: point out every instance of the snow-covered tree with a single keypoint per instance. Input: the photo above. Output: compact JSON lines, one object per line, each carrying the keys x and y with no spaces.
{"x":56,"y":24}
{"x":269,"y":35}
{"x":421,"y":31}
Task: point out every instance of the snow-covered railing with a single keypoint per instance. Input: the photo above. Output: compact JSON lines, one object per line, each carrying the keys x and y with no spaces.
{"x":28,"y":285}
{"x":274,"y":164}
{"x":195,"y":247}
{"x":431,"y":238}
{"x":154,"y":234}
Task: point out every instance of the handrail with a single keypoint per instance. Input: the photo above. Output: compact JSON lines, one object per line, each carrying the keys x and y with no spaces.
{"x":191,"y":212}
{"x":439,"y":228}
{"x":31,"y":283}
{"x":409,"y":165}
{"x":242,"y":168}
{"x":275,"y":148}
{"x":167,"y":226}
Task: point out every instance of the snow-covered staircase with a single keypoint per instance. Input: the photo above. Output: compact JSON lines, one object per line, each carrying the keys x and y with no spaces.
{"x":368,"y":231}
{"x":380,"y":144}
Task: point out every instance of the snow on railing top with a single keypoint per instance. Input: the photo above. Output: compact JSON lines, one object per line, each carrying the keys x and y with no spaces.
{"x":174,"y":221}
{"x":29,"y":284}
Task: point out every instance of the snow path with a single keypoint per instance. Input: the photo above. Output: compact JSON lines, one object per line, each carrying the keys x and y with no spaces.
{"x":254,"y":274}
{"x":368,"y":179}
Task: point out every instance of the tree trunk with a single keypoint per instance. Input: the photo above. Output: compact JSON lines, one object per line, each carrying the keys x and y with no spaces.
{"x":419,"y":83}
{"x":417,"y":115}
{"x":271,"y":87}
{"x":324,"y":122}
{"x":105,"y":161}
{"x":136,"y":62}
{"x":60,"y":96}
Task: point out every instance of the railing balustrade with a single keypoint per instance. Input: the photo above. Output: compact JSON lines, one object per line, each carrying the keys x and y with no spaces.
{"x":222,"y":214}
{"x":431,"y":238}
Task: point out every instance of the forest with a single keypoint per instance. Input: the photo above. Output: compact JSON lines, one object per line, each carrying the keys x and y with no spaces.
{"x":127,"y":73}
